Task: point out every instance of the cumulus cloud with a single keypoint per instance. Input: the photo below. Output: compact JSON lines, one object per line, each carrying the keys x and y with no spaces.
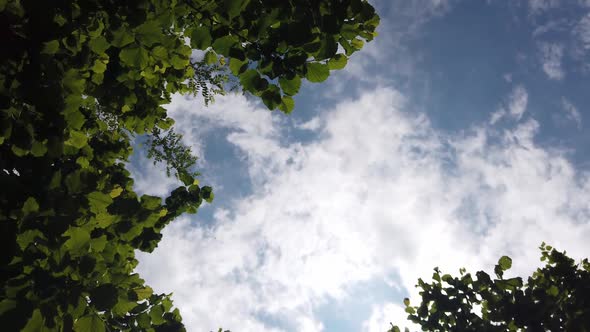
{"x":551,"y":55}
{"x":379,"y":193}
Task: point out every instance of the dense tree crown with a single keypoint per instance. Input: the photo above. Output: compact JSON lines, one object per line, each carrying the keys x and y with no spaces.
{"x":78,"y":80}
{"x":555,"y":298}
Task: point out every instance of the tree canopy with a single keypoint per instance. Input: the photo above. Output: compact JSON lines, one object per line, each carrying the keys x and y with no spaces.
{"x":555,"y":298}
{"x":78,"y":81}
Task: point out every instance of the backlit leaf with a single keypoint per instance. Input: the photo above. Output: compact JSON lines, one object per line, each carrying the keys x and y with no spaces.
{"x":201,"y":38}
{"x":339,"y":61}
{"x":30,"y":206}
{"x":287,"y":104}
{"x":317,"y":72}
{"x":99,"y":201}
{"x":134,"y":56}
{"x":50,"y":47}
{"x":79,"y":238}
{"x":290,"y":87}
{"x":77,"y":139}
{"x":99,"y":45}
{"x":505,"y":263}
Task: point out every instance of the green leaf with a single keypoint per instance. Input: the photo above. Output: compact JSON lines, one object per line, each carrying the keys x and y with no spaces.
{"x":122,"y":37}
{"x":151,"y":202}
{"x":505,"y":263}
{"x":116,"y":191}
{"x":553,"y":291}
{"x":100,"y":66}
{"x":35,"y":323}
{"x":185,"y":177}
{"x":123,"y":306}
{"x":104,"y":219}
{"x":406,"y":301}
{"x":272,"y":97}
{"x":30,"y":206}
{"x":237,"y":66}
{"x":290,"y":87}
{"x":143,"y":292}
{"x":287,"y":104}
{"x":144,"y":321}
{"x":149,"y":33}
{"x":210,"y":58}
{"x":79,"y":239}
{"x":179,"y":62}
{"x":252,"y":82}
{"x":50,"y":47}
{"x":328,"y":49}
{"x":7,"y":305}
{"x":357,"y":43}
{"x":317,"y":72}
{"x":27,"y":237}
{"x":104,"y":297}
{"x":83,"y":162}
{"x":77,"y":139}
{"x":207,"y":194}
{"x":201,"y":38}
{"x":234,"y":7}
{"x":134,"y":56}
{"x":339,"y":61}
{"x":160,"y":53}
{"x":74,"y":82}
{"x":75,"y":119}
{"x":98,"y":244}
{"x":99,"y":201}
{"x":18,"y":151}
{"x":89,"y":323}
{"x":156,"y":315}
{"x":224,"y":44}
{"x":99,"y":45}
{"x":38,"y":149}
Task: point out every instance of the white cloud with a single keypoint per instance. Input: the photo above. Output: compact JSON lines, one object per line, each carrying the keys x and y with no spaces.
{"x":383,"y":316}
{"x":551,"y":57}
{"x":571,"y":112}
{"x":582,"y":32}
{"x":401,"y":21}
{"x":312,"y":125}
{"x":538,"y":6}
{"x":380,"y":191}
{"x":515,"y":106}
{"x":518,"y":101}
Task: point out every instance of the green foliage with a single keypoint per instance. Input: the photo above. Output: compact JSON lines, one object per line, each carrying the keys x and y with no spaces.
{"x":285,"y":40}
{"x":169,"y":149}
{"x":555,"y":298}
{"x":79,"y":80}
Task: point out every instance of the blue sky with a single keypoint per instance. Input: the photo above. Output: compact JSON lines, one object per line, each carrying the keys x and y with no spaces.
{"x":457,"y":136}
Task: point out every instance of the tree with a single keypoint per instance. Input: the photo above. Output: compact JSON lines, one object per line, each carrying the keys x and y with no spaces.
{"x":78,"y":80}
{"x":555,"y":298}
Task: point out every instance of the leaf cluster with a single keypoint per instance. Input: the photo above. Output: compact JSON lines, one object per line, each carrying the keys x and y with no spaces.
{"x":80,"y":79}
{"x":555,"y":298}
{"x":272,"y":45}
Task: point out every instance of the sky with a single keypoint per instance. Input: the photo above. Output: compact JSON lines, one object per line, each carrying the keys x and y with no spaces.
{"x":457,"y":136}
